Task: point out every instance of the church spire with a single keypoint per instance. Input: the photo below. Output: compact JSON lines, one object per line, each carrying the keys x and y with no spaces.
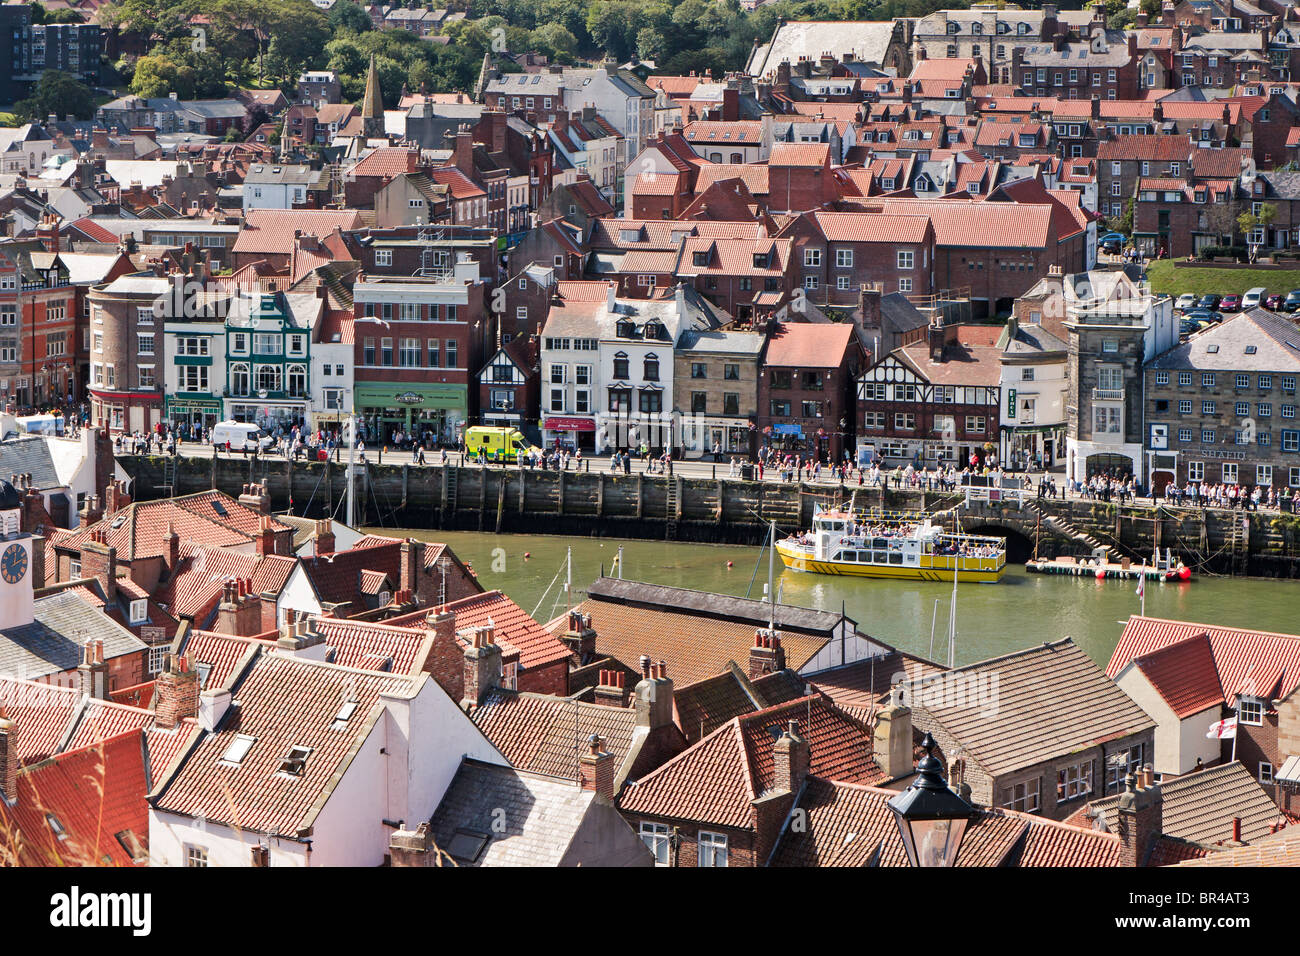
{"x":372,"y":106}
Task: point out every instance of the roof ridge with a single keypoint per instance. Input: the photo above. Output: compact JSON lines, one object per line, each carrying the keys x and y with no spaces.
{"x":1005,"y":657}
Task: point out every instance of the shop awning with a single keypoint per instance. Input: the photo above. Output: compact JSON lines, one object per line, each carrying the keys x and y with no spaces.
{"x":1290,"y":772}
{"x":570,"y":424}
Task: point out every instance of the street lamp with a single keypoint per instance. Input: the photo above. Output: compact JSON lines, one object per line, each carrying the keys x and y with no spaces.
{"x":931,"y":819}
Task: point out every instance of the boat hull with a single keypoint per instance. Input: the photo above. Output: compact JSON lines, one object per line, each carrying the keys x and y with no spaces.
{"x":798,"y":560}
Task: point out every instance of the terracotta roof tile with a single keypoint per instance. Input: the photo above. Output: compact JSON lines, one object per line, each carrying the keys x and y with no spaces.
{"x":1240,"y":656}
{"x":93,"y":795}
{"x":284,"y":702}
{"x":43,"y":714}
{"x":1184,"y":675}
{"x":805,"y":345}
{"x":271,"y":231}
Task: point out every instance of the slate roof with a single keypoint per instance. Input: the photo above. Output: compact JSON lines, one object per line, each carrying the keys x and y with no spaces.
{"x":1199,"y":807}
{"x":865,"y":683}
{"x":542,"y":814}
{"x":1051,"y":700}
{"x":1276,"y":341}
{"x":716,"y":780}
{"x":1280,"y":850}
{"x":30,"y":456}
{"x":53,"y":642}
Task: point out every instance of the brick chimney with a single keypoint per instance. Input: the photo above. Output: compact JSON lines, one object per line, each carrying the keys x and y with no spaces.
{"x":92,"y":672}
{"x":612,"y":689}
{"x":580,"y":638}
{"x":91,"y":510}
{"x":8,"y":757}
{"x":325,"y":536}
{"x":462,"y":156}
{"x":654,"y":695}
{"x":892,"y":738}
{"x":482,"y":667}
{"x":596,"y":769}
{"x":790,"y":758}
{"x":731,"y":102}
{"x":176,"y":692}
{"x":265,"y":536}
{"x":256,"y":496}
{"x":408,"y":575}
{"x":35,"y":518}
{"x":115,"y":497}
{"x":99,"y":561}
{"x":869,"y":303}
{"x":412,"y":847}
{"x":173,"y":543}
{"x":766,"y":656}
{"x":936,"y":339}
{"x":1140,"y":821}
{"x":301,"y":638}
{"x":240,"y":610}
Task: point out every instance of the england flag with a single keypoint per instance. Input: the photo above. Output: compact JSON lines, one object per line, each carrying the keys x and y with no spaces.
{"x":1223,"y":729}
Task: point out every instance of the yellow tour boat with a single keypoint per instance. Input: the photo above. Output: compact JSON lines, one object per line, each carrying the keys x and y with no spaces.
{"x":915,"y":549}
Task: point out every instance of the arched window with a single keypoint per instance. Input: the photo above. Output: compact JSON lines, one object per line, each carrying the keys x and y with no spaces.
{"x":269,"y":378}
{"x":737,"y":158}
{"x":239,"y":379}
{"x":298,"y":381}
{"x":651,"y":371}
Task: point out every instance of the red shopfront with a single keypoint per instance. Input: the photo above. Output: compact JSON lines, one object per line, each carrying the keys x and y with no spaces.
{"x":571,"y":431}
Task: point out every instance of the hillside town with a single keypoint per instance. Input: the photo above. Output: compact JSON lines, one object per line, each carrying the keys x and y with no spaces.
{"x":1041,"y":248}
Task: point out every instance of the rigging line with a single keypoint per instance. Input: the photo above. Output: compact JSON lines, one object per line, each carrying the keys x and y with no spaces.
{"x":546,"y":592}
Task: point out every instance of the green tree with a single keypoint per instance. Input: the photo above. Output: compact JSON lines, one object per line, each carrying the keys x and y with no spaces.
{"x":347,"y":15}
{"x":1248,"y":222}
{"x":555,"y":41}
{"x":59,"y":93}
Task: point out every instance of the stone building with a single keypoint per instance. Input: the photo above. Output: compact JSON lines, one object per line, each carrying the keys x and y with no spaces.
{"x":1221,"y":407}
{"x":716,"y":382}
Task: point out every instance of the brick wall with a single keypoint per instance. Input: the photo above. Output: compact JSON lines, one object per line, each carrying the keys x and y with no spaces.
{"x":549,"y":679}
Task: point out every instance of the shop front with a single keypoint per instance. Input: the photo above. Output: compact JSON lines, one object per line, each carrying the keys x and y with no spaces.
{"x":192,"y":412}
{"x":573,"y":432}
{"x":278,"y":417}
{"x":394,"y":413}
{"x":127,"y":412}
{"x":703,"y":435}
{"x":1036,"y":446}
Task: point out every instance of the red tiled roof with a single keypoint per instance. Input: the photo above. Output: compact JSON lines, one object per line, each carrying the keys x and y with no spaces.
{"x":270,"y":231}
{"x":224,"y":655}
{"x":716,"y":780}
{"x":43,"y":714}
{"x":984,"y":224}
{"x":1270,"y":662}
{"x":94,"y":795}
{"x":799,"y":154}
{"x":284,"y":702}
{"x":514,"y":627}
{"x":337,"y":578}
{"x":460,"y":185}
{"x":805,"y":345}
{"x":754,"y":176}
{"x":1160,"y":148}
{"x":1184,"y":675}
{"x":871,"y":226}
{"x":94,"y":230}
{"x":735,"y":256}
{"x":386,"y":162}
{"x":543,"y":734}
{"x":719,"y":132}
{"x":195,"y":587}
{"x":658,"y":184}
{"x":374,"y":647}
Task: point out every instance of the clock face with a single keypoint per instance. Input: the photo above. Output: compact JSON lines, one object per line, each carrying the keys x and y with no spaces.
{"x":13,"y":564}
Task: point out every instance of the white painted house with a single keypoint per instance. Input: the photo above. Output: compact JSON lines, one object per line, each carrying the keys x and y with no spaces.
{"x":305,"y":763}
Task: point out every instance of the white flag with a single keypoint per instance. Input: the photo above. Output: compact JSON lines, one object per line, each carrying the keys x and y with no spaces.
{"x":1142,"y":583}
{"x":1223,"y":729}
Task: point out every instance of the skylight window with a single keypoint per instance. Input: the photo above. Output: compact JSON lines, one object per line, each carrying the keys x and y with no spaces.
{"x":238,"y":749}
{"x":344,"y":715}
{"x":467,"y":845}
{"x":294,"y":764}
{"x":1251,"y":350}
{"x":203,"y":671}
{"x":220,"y":509}
{"x":56,"y":827}
{"x":1211,"y":349}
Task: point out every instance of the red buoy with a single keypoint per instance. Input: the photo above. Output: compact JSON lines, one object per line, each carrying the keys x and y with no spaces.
{"x":1184,"y":573}
{"x":1101,"y":574}
{"x":728,"y":564}
{"x":527,"y":555}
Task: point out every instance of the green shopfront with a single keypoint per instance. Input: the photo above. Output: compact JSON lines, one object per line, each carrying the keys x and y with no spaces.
{"x":431,"y":413}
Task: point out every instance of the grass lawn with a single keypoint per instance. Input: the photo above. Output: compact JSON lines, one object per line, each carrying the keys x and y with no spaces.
{"x":1165,"y":278}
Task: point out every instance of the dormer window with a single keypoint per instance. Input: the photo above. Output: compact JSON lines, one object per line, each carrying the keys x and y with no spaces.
{"x":700,"y":258}
{"x":139,"y":611}
{"x":1251,"y":710}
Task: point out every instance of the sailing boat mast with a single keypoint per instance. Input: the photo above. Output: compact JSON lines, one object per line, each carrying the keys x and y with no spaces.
{"x":352,"y":479}
{"x":568,"y":581}
{"x":952,"y":613}
{"x":771,"y":576}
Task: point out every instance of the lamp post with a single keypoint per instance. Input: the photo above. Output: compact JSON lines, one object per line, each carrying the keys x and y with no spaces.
{"x":931,"y":819}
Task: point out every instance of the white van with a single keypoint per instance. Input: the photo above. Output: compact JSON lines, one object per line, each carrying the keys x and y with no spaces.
{"x":1254,"y":298}
{"x":241,"y":436}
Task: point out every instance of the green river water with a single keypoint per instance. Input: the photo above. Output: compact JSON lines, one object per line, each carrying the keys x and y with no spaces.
{"x":992,"y":619}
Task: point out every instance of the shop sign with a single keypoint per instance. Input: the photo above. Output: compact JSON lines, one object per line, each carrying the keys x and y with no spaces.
{"x":409,"y":398}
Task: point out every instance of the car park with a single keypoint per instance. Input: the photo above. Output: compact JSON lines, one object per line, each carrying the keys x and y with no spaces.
{"x":1292,"y":301}
{"x":1185,"y":302}
{"x":1230,"y":303}
{"x":1203,"y":316}
{"x":1208,"y":301}
{"x":1253,"y":298}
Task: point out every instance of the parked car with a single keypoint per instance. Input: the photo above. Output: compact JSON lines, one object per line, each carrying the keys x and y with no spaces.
{"x":1253,"y":298}
{"x":1113,"y":243}
{"x":1230,"y":303}
{"x":1274,"y":302}
{"x":1185,"y":301}
{"x":1292,"y":302}
{"x":1203,"y":316}
{"x":1188,"y":327}
{"x":1208,"y":301}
